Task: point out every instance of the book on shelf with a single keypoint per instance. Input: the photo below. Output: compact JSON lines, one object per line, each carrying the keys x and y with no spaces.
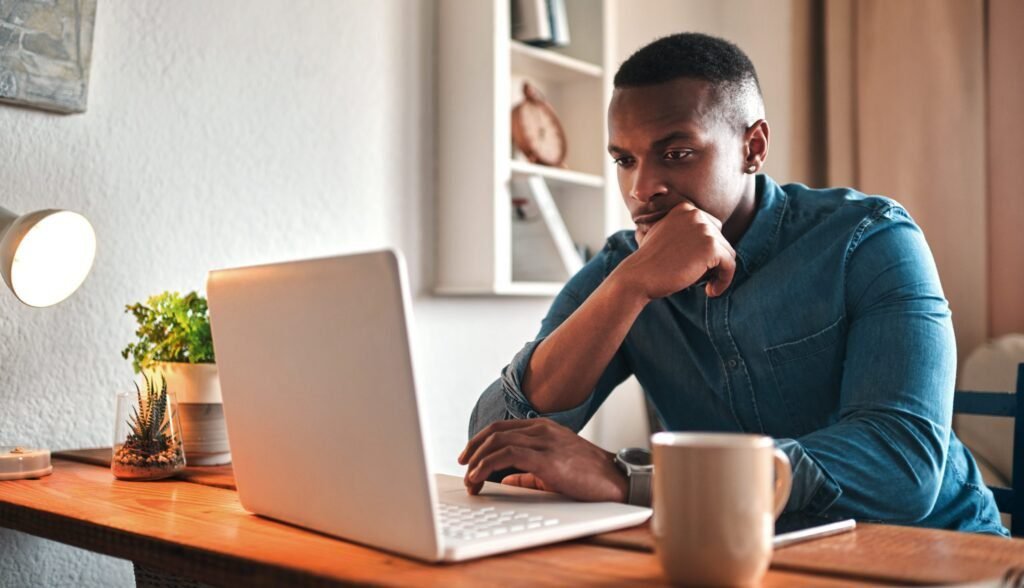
{"x":543,"y":23}
{"x":559,"y":23}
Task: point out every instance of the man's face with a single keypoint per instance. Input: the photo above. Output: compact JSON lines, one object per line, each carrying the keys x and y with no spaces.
{"x":669,"y":146}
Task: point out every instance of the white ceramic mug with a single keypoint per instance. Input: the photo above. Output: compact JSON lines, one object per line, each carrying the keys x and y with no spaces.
{"x":716,"y":498}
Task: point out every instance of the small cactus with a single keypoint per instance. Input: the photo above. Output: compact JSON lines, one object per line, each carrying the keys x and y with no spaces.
{"x":149,"y":423}
{"x":152,"y":448}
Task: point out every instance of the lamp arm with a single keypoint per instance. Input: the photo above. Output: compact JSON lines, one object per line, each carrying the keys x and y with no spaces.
{"x":7,"y":219}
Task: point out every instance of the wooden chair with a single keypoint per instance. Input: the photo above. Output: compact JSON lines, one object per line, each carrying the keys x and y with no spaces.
{"x":999,"y":404}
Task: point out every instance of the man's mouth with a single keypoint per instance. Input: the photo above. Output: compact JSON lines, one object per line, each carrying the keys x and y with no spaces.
{"x":650,"y":218}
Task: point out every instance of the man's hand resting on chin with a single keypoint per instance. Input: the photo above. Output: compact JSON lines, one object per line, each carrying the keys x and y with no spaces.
{"x":552,"y":457}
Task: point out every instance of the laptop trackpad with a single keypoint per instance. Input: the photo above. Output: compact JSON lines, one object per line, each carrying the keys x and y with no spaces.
{"x":452,"y":490}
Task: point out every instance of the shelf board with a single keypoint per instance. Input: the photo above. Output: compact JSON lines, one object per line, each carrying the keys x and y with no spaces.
{"x":556,"y":174}
{"x":530,"y":288}
{"x":549,"y":65}
{"x":547,"y":289}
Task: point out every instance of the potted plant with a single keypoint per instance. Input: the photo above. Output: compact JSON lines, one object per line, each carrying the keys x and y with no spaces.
{"x":174,"y":341}
{"x":147,"y":435}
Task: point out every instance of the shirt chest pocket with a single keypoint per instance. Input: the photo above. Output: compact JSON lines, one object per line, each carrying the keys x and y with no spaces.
{"x":808,"y":373}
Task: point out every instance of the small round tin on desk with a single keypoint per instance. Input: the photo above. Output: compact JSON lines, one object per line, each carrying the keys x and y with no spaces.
{"x":17,"y":463}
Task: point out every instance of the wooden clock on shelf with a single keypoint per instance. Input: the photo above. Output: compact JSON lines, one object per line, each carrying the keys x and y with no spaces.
{"x":536,"y":130}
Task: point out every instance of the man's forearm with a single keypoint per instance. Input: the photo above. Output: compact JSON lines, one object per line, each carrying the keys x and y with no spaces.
{"x":566,"y":366}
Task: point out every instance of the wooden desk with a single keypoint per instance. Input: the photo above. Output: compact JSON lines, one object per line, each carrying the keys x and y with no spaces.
{"x":200,"y":532}
{"x":885,"y":554}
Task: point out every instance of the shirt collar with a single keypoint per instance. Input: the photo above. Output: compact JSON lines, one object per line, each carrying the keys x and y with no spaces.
{"x":757,"y":243}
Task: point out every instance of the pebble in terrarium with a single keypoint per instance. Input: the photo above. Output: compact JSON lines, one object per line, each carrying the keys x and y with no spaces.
{"x":147,"y":442}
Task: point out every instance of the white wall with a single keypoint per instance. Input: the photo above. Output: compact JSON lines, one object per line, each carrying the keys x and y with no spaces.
{"x":217,"y":134}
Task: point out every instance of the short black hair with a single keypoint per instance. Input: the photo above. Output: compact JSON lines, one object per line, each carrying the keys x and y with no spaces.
{"x":698,"y":56}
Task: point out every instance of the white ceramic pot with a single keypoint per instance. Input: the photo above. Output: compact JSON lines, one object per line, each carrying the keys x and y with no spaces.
{"x":201,"y":411}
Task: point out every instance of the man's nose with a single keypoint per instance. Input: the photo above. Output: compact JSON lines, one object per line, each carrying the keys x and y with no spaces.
{"x":647,"y":183}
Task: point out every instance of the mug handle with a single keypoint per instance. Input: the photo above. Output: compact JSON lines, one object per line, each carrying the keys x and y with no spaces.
{"x":783,"y":480}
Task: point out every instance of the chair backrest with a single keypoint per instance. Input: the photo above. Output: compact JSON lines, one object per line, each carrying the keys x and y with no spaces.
{"x":1009,"y":500}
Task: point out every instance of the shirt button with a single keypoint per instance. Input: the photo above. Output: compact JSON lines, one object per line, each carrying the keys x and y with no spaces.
{"x":732,"y":363}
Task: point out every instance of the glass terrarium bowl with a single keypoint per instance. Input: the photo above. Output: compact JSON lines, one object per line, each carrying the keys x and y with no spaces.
{"x":147,"y":436}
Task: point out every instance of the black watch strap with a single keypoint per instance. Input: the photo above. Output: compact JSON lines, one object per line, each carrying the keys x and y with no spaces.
{"x":639,"y":488}
{"x":636,"y":464}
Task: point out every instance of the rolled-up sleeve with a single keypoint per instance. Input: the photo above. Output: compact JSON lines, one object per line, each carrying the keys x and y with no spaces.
{"x":504,"y":398}
{"x":884,"y":458}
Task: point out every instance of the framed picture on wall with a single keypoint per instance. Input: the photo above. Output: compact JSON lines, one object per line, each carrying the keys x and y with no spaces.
{"x":45,"y":50}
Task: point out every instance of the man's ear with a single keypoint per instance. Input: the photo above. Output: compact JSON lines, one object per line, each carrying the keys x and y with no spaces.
{"x":755,"y":146}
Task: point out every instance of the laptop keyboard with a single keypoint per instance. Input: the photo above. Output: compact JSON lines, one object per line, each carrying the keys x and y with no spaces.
{"x":462,"y":522}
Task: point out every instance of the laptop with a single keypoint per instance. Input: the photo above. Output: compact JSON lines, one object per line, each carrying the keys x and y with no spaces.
{"x":323,"y":418}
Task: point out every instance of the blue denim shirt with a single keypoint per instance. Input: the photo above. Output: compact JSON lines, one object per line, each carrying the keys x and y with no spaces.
{"x":834,"y":338}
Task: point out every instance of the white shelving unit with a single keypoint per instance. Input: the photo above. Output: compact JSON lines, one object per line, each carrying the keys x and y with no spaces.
{"x":555,"y":175}
{"x":481,"y":71}
{"x":548,"y":64}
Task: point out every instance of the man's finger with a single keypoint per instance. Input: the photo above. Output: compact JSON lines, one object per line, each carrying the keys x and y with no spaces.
{"x":722,"y":276}
{"x":487,"y":432}
{"x":523,"y":481}
{"x":520,"y":458}
{"x":713,"y":219}
{"x":497,"y":428}
{"x":721,"y":240}
{"x":502,"y":439}
{"x":473,"y":488}
{"x":687,"y":205}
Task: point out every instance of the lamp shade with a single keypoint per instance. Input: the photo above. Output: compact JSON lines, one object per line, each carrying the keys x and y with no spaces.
{"x":45,"y":255}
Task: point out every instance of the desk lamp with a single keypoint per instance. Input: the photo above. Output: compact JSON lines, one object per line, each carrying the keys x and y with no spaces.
{"x":44,"y":257}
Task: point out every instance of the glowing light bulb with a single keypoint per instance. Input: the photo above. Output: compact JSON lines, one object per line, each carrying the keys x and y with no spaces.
{"x":53,"y":259}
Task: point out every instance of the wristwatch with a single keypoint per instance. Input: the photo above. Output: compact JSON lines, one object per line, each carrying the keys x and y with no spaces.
{"x":639,"y":469}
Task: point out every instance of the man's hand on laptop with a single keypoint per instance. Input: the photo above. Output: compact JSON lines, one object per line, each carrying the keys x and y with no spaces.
{"x":551,"y":457}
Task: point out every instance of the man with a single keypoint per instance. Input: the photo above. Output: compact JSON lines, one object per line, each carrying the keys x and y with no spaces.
{"x":812,"y":316}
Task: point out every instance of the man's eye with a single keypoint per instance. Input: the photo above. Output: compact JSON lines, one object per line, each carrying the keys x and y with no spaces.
{"x":678,"y":154}
{"x":623,"y":161}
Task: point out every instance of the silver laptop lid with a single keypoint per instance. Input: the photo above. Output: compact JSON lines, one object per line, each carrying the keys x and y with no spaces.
{"x":320,"y":400}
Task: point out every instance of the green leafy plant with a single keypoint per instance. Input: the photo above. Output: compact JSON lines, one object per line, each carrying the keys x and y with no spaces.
{"x":148,"y":424}
{"x":172,"y":328}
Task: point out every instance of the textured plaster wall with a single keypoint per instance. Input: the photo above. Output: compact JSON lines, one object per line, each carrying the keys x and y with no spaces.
{"x":217,"y":134}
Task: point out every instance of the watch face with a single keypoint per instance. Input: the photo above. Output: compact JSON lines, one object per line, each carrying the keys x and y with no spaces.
{"x":636,"y":457}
